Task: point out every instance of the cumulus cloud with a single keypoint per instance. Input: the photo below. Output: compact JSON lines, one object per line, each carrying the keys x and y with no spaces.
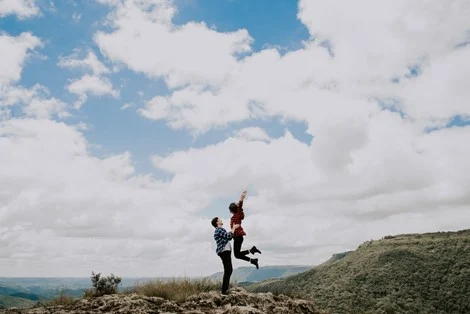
{"x":385,"y":39}
{"x":359,"y":58}
{"x":441,"y":91}
{"x":365,"y":166}
{"x":21,"y":8}
{"x":90,"y":62}
{"x":398,"y":172}
{"x":94,"y":84}
{"x":145,"y":40}
{"x":15,"y":51}
{"x":367,"y":172}
{"x":74,"y":198}
{"x":253,"y":133}
{"x":35,"y":101}
{"x":91,"y":84}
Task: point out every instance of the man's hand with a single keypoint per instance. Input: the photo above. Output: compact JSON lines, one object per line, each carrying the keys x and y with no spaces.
{"x":242,"y":197}
{"x":235,"y":227}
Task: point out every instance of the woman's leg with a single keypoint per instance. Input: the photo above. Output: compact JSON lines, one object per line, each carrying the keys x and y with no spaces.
{"x":237,"y":246}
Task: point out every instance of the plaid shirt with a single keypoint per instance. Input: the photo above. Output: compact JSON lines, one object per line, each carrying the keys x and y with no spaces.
{"x":237,"y":220}
{"x":221,"y":237}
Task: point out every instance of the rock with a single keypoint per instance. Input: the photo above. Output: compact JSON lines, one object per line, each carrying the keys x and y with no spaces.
{"x":239,"y":301}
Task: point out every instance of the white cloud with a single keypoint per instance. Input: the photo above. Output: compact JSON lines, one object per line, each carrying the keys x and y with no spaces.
{"x":252,"y":134}
{"x":35,"y":101}
{"x":370,"y":50}
{"x":22,"y":8}
{"x":5,"y":113}
{"x":441,"y":91}
{"x":94,"y":84}
{"x":91,"y":62}
{"x":145,"y":40}
{"x":373,"y":40}
{"x":127,"y":105}
{"x":366,"y":173}
{"x":14,"y":51}
{"x":295,"y":86}
{"x":398,"y":180}
{"x":86,"y":210}
{"x":90,"y":84}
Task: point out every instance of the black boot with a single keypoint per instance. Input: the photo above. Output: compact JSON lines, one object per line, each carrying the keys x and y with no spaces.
{"x":254,"y":261}
{"x":253,"y":250}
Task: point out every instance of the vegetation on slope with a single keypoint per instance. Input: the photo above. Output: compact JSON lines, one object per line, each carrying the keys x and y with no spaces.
{"x":7,"y":301}
{"x":413,"y":273}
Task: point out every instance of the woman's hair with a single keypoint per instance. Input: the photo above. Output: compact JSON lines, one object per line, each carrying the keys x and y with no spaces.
{"x":214,"y":221}
{"x":233,"y":208}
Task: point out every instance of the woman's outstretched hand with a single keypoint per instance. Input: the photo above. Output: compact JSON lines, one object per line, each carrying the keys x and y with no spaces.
{"x":242,"y":197}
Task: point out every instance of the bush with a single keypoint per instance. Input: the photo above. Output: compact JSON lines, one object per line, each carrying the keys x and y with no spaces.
{"x":103,"y":285}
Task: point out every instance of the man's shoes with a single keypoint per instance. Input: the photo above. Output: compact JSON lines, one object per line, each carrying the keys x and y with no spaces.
{"x":254,"y":261}
{"x":225,"y":292}
{"x":254,"y":250}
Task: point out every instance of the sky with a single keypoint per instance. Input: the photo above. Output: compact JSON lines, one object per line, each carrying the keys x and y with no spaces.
{"x":127,"y":125}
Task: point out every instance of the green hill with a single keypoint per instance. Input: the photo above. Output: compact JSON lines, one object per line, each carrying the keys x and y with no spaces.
{"x":7,"y":301}
{"x":251,"y":274}
{"x":409,"y":273}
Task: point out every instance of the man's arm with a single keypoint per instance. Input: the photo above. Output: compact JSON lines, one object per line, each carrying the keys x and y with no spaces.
{"x":227,"y":235}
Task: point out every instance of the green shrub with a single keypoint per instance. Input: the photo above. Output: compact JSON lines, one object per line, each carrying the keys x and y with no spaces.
{"x":103,"y":285}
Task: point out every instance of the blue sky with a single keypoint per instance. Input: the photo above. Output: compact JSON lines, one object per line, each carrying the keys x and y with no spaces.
{"x":127,"y":125}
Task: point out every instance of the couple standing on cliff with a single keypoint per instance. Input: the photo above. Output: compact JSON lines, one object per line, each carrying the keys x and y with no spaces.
{"x":223,"y":237}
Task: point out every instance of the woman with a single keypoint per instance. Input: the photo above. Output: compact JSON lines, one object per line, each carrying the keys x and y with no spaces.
{"x":237,"y":216}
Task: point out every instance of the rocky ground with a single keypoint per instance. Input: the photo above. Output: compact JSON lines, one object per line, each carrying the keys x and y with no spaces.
{"x":238,"y":301}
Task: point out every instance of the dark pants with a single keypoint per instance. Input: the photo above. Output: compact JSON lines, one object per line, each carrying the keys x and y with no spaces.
{"x":226,"y":257}
{"x":237,"y":246}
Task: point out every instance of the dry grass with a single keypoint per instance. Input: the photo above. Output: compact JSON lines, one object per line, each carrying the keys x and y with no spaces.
{"x":62,"y":299}
{"x":176,"y":289}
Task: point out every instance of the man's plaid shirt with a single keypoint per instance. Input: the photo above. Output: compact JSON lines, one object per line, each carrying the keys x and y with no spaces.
{"x":221,"y":237}
{"x":237,"y":220}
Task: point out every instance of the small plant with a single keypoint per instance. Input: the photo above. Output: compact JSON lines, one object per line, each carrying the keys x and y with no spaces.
{"x":103,"y":285}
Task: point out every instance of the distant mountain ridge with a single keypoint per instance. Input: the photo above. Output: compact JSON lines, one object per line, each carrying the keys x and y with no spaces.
{"x":405,"y":273}
{"x":26,"y":291}
{"x":251,"y":274}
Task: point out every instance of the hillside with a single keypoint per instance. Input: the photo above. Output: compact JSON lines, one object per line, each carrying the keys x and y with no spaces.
{"x":408,"y":273}
{"x":7,"y":301}
{"x":237,"y":302}
{"x":251,"y":274}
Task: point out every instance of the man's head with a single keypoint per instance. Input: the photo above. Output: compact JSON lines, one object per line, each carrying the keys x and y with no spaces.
{"x":233,"y":207}
{"x":216,"y":222}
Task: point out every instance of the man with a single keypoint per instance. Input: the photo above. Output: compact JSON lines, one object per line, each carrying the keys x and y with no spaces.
{"x":224,"y":250}
{"x":237,"y":216}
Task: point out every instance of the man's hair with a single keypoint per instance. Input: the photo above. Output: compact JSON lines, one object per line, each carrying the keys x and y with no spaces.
{"x":214,"y":221}
{"x":233,"y":208}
